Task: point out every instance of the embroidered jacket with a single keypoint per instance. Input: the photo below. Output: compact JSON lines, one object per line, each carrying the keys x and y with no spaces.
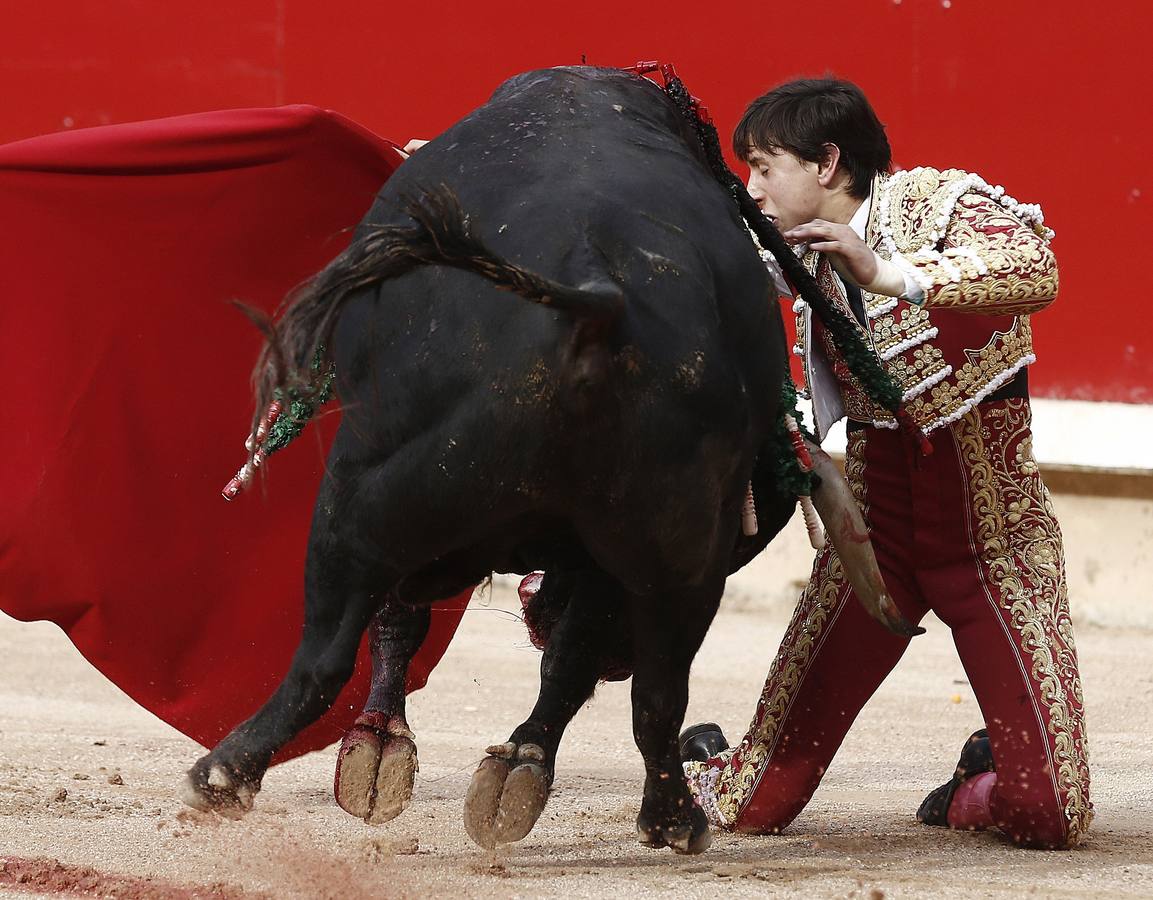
{"x":982,"y":260}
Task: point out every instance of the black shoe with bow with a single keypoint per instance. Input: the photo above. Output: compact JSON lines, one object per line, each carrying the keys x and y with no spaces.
{"x":976,"y":757}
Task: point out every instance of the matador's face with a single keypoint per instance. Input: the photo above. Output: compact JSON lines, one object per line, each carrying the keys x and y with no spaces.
{"x":786,"y":187}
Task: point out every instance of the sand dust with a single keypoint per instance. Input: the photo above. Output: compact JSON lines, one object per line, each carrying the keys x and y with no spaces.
{"x":88,"y":788}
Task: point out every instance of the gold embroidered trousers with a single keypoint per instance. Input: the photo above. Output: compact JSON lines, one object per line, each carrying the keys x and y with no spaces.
{"x":969,"y":533}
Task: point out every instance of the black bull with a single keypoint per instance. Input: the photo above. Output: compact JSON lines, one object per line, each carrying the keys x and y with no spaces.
{"x":605,"y":433}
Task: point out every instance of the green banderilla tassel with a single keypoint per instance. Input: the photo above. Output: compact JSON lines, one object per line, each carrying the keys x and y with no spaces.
{"x":301,"y":404}
{"x":787,"y":468}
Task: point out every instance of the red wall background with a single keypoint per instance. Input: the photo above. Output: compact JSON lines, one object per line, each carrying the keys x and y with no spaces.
{"x":1053,"y":99}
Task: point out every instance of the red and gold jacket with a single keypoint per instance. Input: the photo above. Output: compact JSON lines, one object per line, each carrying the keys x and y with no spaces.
{"x":983,"y":262}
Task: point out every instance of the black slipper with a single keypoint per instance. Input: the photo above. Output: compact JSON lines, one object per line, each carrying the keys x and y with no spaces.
{"x":699,"y":742}
{"x":976,"y":757}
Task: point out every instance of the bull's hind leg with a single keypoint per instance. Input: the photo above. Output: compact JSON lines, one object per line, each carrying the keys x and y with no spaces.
{"x":341,"y":596}
{"x":511,"y":786}
{"x":377,"y":763}
{"x":668,"y":630}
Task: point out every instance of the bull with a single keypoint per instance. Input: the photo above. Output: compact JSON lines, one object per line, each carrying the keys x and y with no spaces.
{"x":555,"y":349}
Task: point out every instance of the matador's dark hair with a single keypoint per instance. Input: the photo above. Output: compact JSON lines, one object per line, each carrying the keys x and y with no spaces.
{"x":805,"y":115}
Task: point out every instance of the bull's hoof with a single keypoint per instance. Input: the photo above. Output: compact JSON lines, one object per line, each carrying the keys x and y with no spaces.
{"x":212,"y":787}
{"x":684,"y":837}
{"x":507,"y":795}
{"x":375,"y":774}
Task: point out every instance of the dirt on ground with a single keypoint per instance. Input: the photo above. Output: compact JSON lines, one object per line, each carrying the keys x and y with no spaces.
{"x":89,"y":785}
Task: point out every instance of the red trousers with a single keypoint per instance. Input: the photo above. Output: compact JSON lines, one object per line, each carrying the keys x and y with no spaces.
{"x":967,"y":532}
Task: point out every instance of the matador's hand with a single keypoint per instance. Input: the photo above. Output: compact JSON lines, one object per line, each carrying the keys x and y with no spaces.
{"x":412,"y":146}
{"x":850,"y":255}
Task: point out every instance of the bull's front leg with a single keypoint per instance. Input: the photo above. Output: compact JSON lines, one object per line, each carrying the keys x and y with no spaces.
{"x":377,"y":763}
{"x":668,"y":631}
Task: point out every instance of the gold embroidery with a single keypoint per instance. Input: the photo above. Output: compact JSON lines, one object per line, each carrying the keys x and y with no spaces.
{"x":992,"y":261}
{"x":856,"y":403}
{"x":888,"y":331}
{"x":1020,"y":276}
{"x":1020,"y":271}
{"x":983,"y":371}
{"x":722,"y":791}
{"x":1020,"y":543}
{"x":917,"y":205}
{"x":855,"y":469}
{"x":831,"y":285}
{"x":809,"y":261}
{"x":1003,"y":354}
{"x":914,"y":366}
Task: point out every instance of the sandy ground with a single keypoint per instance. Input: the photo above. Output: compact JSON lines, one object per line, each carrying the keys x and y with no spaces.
{"x":88,"y":787}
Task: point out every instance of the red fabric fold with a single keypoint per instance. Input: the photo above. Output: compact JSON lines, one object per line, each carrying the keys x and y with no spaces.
{"x":126,"y":399}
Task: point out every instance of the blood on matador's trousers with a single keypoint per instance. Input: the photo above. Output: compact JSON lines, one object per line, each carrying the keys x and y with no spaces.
{"x":969,"y":533}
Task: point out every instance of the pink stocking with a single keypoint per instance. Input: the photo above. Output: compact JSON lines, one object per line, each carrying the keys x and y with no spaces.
{"x":969,"y":810}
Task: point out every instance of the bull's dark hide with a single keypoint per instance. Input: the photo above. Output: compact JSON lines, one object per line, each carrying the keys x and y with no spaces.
{"x":485,"y":431}
{"x":582,"y":176}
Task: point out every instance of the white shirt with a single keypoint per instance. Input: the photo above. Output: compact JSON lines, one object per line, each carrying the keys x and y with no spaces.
{"x":824,"y":390}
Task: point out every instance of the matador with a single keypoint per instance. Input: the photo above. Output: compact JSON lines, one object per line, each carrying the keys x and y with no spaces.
{"x":941,"y":272}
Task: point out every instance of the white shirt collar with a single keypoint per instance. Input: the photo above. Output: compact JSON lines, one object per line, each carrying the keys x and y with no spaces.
{"x":860,"y":220}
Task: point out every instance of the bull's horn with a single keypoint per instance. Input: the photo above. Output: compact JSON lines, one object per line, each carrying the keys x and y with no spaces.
{"x":850,"y":537}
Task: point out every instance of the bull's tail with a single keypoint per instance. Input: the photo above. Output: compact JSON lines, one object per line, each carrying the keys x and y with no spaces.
{"x":442,"y":235}
{"x":448,"y":240}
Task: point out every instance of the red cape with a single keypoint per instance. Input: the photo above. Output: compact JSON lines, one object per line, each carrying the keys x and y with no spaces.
{"x":126,"y":399}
